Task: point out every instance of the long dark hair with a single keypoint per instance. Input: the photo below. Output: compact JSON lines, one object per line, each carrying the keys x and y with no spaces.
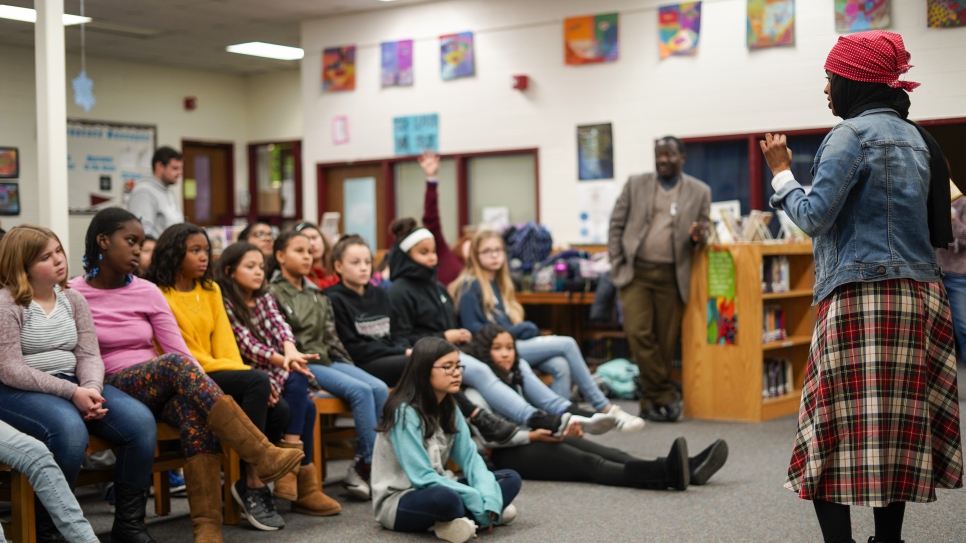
{"x":107,"y":221}
{"x":280,"y":244}
{"x":231,"y":291}
{"x":169,"y":255}
{"x":479,"y":348}
{"x":415,"y":391}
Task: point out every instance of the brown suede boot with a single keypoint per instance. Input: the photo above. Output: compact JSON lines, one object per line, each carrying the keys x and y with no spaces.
{"x":311,"y":500}
{"x":202,"y":479}
{"x":287,"y":487}
{"x":227,"y":421}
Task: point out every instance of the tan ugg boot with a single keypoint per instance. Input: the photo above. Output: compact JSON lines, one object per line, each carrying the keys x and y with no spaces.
{"x":311,"y":500}
{"x":287,"y":487}
{"x":227,"y":421}
{"x":202,"y":479}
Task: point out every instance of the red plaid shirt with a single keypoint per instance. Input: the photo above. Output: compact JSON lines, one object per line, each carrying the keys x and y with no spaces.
{"x":270,"y":323}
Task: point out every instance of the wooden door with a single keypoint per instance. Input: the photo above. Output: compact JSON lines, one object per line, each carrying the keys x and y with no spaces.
{"x":349,"y":184}
{"x":208,"y":186}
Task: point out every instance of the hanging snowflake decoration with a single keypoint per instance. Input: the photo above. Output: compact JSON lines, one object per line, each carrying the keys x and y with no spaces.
{"x":84,"y":91}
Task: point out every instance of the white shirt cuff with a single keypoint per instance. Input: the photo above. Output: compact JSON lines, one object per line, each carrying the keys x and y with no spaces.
{"x":783,"y":178}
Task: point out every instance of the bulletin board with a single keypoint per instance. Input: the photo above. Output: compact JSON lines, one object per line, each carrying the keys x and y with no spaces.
{"x":105,"y":159}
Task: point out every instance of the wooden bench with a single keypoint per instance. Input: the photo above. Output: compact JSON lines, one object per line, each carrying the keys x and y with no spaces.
{"x":15,"y":488}
{"x":328,"y":409}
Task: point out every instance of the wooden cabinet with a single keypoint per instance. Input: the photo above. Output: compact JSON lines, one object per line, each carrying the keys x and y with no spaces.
{"x":724,"y":382}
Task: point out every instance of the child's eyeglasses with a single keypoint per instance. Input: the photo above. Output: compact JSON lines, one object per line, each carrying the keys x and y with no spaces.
{"x":450,"y":370}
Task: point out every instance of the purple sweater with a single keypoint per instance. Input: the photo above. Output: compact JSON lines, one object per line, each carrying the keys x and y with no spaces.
{"x":15,"y":373}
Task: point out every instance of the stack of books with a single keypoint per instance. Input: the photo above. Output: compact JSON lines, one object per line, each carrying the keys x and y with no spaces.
{"x":775,"y":274}
{"x":773,"y":323}
{"x":777,"y":378}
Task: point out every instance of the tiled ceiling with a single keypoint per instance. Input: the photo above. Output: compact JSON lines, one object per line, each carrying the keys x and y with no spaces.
{"x":190,"y":33}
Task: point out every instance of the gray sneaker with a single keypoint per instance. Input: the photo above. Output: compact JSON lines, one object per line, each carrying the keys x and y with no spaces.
{"x":258,"y":506}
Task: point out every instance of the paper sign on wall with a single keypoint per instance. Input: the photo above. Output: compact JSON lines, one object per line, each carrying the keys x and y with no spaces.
{"x":415,"y":133}
{"x":722,"y":316}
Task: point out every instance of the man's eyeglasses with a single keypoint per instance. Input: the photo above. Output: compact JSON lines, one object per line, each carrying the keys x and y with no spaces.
{"x":450,"y":370}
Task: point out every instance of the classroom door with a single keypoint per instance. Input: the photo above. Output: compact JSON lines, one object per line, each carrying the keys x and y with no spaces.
{"x":358,"y":194}
{"x":208,"y":186}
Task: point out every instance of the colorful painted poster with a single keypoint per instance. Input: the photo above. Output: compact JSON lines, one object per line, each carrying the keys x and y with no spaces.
{"x":770,"y":23}
{"x":946,"y":13}
{"x":595,"y":152}
{"x":456,"y":56}
{"x":590,"y":39}
{"x":679,"y":27}
{"x":859,"y":15}
{"x":414,"y":134}
{"x":722,"y":317}
{"x":397,"y":63}
{"x":339,"y":69}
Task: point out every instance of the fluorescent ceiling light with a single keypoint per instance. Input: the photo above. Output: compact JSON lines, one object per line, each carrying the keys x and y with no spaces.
{"x":28,"y":15}
{"x":267,"y":50}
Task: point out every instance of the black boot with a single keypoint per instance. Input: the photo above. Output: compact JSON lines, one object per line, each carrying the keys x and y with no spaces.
{"x":544,"y":421}
{"x":47,"y":532}
{"x":129,"y":503}
{"x":708,"y":462}
{"x":493,"y":428}
{"x":669,"y":472}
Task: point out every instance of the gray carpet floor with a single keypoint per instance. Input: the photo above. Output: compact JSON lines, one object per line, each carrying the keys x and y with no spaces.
{"x":744,"y":502}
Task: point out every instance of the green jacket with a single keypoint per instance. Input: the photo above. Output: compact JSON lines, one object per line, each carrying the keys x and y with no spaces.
{"x":310,"y":315}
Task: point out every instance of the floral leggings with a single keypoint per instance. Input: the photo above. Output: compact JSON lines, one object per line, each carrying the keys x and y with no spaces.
{"x":177,"y":392}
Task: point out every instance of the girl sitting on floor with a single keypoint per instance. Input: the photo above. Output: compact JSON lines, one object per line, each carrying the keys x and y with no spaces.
{"x":421,"y":430}
{"x":310,"y":315}
{"x":180,"y":269}
{"x":537,"y":455}
{"x":266,"y":343}
{"x":484,"y":295}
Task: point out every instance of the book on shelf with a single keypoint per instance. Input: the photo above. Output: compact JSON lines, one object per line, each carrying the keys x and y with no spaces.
{"x":778,"y":378}
{"x":775,"y":274}
{"x":773,"y":323}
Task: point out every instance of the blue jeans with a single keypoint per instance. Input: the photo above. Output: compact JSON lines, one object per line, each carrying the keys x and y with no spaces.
{"x":302,"y":409}
{"x":956,"y":292}
{"x":503,"y":399}
{"x":420,"y":509}
{"x":128,"y":424}
{"x":366,"y":395}
{"x":30,"y":457}
{"x":546,"y":353}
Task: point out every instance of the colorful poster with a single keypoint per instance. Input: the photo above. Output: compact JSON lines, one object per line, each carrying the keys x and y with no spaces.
{"x":339,"y":69}
{"x":722,"y":317}
{"x":679,"y":28}
{"x":590,"y":39}
{"x":456,"y":56}
{"x":595,"y":152}
{"x":859,"y":15}
{"x":946,"y":13}
{"x":414,"y":134}
{"x":397,"y":63}
{"x":770,"y":23}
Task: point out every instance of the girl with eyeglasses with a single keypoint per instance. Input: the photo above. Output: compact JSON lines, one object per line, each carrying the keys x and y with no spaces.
{"x":260,"y":235}
{"x":421,"y":431}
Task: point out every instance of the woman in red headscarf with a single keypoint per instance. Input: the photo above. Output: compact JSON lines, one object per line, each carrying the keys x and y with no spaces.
{"x":879,"y":418}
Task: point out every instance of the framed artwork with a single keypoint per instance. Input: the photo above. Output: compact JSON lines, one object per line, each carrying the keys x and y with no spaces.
{"x":859,"y":15}
{"x":595,"y":152}
{"x":9,"y":199}
{"x":456,"y":56}
{"x":397,"y":63}
{"x":679,"y":27}
{"x":9,"y":163}
{"x":770,"y":23}
{"x":339,"y":69}
{"x":946,"y":13}
{"x":591,"y":39}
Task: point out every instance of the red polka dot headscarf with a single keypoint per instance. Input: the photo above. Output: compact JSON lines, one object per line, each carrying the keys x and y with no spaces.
{"x":875,"y":56}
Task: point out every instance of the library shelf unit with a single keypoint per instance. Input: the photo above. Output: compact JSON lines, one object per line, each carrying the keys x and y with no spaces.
{"x":724,"y":382}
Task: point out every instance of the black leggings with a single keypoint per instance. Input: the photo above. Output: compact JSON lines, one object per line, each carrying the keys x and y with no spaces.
{"x":574,"y":460}
{"x":252,"y":389}
{"x":388,"y":369}
{"x":836,"y":522}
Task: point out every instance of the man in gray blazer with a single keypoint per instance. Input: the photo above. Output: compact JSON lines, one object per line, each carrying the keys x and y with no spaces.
{"x":657,"y":223}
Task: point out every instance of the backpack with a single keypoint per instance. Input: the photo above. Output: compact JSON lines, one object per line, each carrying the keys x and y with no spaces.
{"x":621,"y":377}
{"x":528,"y":244}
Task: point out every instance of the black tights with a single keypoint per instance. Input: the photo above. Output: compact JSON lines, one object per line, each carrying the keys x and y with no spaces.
{"x":574,"y":460}
{"x":836,"y":522}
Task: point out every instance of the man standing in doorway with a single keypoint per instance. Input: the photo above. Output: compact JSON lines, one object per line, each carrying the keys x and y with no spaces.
{"x":152,"y":200}
{"x":658,"y":221}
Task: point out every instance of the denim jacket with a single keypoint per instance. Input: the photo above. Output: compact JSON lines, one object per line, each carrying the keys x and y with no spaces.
{"x":866,"y":212}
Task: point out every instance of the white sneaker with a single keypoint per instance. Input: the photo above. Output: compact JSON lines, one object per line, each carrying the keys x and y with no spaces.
{"x":509,"y":515}
{"x":460,"y":530}
{"x":356,"y":485}
{"x":600,"y":423}
{"x":625,"y":421}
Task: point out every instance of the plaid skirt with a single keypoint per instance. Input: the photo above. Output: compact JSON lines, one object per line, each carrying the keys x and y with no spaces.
{"x":879,"y":419}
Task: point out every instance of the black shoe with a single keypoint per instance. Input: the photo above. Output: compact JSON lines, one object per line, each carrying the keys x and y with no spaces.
{"x":670,"y":412}
{"x":708,"y":462}
{"x":46,"y":530}
{"x":678,"y":472}
{"x":663,"y":473}
{"x":544,"y":421}
{"x":494,"y":428}
{"x":130,"y":500}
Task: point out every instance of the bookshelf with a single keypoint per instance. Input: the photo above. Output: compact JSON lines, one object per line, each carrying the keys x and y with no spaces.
{"x":724,"y":382}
